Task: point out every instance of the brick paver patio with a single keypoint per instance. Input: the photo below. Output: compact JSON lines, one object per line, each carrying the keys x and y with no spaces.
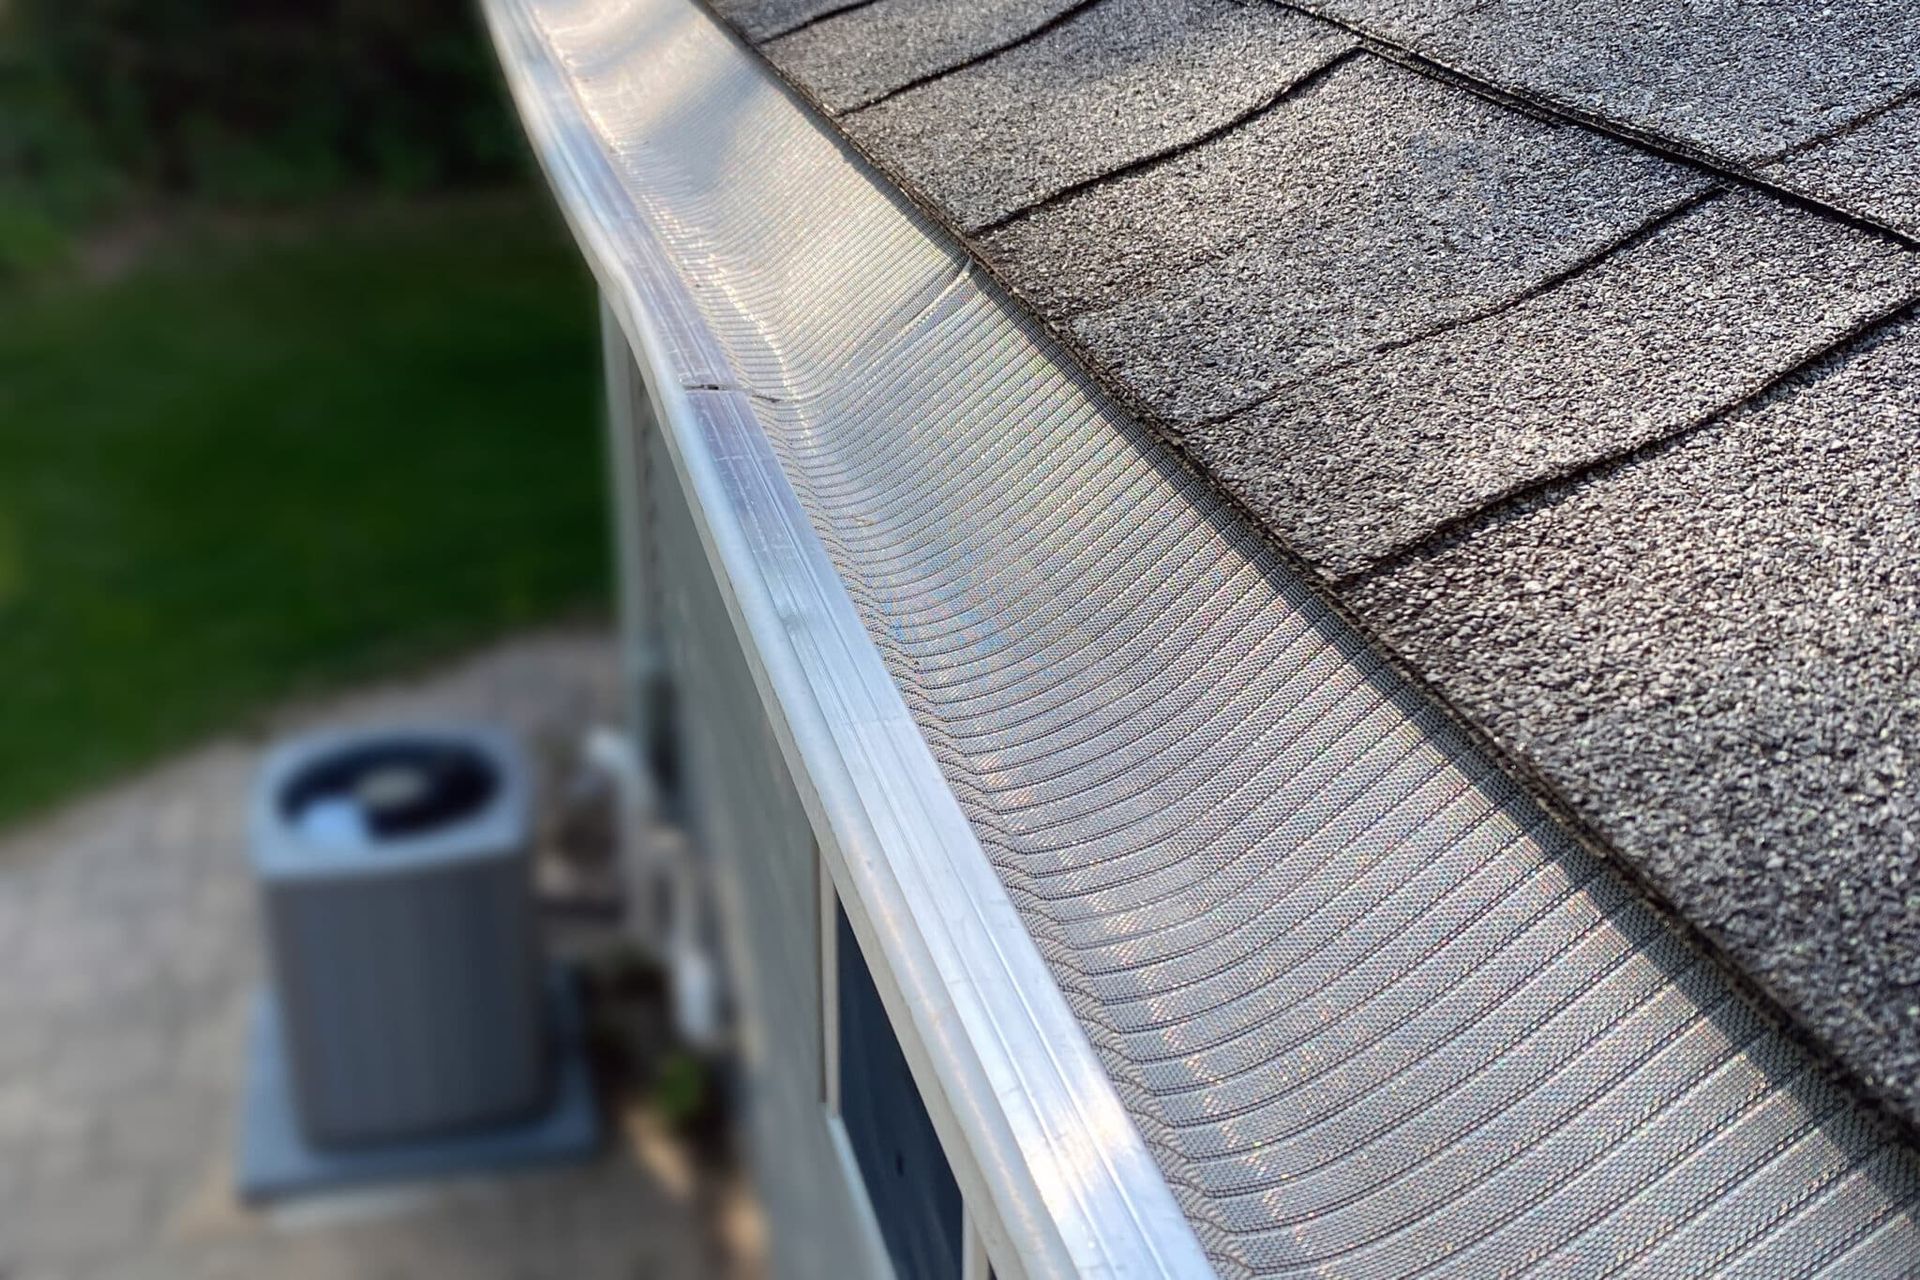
{"x":128,"y":954}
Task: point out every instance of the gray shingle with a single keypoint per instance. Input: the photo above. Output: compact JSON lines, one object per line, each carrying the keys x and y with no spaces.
{"x":1873,"y":170}
{"x":758,"y":19}
{"x":1715,"y":652}
{"x":1123,"y":80}
{"x":1371,"y":207}
{"x":1700,"y":315}
{"x":1401,"y":21}
{"x":857,"y":56}
{"x":1738,"y":80}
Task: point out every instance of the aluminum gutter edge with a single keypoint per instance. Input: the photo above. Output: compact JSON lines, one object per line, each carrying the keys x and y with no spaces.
{"x":1071,"y":1185}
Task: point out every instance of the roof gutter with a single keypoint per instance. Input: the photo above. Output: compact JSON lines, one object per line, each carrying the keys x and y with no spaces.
{"x":1070,"y":1180}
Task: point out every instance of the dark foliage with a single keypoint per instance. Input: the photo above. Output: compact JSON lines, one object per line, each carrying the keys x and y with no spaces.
{"x":255,"y":102}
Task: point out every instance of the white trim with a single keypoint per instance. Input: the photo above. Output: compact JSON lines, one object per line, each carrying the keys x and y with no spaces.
{"x":627,"y":499}
{"x":827,"y":902}
{"x":974,"y":1263}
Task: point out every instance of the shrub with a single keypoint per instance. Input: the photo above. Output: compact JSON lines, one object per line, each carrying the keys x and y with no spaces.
{"x":262,"y":102}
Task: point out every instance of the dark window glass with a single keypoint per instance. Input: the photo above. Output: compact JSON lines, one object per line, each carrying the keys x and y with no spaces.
{"x":908,"y":1179}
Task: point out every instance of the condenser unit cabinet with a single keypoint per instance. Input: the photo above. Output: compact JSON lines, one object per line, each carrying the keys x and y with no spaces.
{"x":411,"y":1024}
{"x":395,"y":879}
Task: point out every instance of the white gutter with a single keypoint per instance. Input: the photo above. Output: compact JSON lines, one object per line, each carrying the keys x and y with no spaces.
{"x":1014,"y":1081}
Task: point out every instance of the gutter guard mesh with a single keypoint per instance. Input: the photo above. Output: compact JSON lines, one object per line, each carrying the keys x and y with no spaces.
{"x":1375,"y":1014}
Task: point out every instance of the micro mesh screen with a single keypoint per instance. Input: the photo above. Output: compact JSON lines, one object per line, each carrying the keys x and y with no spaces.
{"x":1375,"y":1014}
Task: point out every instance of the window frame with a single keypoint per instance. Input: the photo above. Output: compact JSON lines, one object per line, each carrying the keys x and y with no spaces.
{"x":974,"y":1261}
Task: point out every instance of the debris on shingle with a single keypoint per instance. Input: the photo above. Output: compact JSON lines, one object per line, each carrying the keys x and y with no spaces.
{"x":1702,"y":314}
{"x":1122,"y":81}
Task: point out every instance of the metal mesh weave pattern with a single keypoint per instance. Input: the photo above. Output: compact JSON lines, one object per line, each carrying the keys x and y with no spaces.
{"x":1375,"y":1013}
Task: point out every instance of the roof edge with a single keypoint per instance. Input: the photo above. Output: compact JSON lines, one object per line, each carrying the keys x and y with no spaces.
{"x":1523,"y":771}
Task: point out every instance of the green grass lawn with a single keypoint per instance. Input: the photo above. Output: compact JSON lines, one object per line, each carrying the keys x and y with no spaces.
{"x":266,"y":463}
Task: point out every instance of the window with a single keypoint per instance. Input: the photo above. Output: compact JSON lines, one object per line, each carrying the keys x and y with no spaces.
{"x":909,"y":1183}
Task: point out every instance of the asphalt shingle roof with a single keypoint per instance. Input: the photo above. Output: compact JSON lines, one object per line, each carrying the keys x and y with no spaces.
{"x":1715,"y":650}
{"x":1710,"y":308}
{"x":1569,"y":340}
{"x":855,"y":57}
{"x":985,"y":140}
{"x":1818,"y":98}
{"x":1206,"y":284}
{"x":1729,"y":77}
{"x":1872,"y":170}
{"x":764,"y":19}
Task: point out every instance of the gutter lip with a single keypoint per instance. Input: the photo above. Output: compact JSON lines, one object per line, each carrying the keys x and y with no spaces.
{"x":1073,"y":1188}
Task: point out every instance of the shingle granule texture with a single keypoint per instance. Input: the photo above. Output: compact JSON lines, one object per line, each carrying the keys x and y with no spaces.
{"x":1715,"y":651}
{"x":1741,"y":81}
{"x":1399,"y":20}
{"x":1531,"y":387}
{"x":1705,"y":312}
{"x":1392,"y":22}
{"x":1371,"y":207}
{"x":1872,"y":171}
{"x":1121,"y":81}
{"x":1736,"y":78}
{"x":760,"y":19}
{"x":854,"y":57}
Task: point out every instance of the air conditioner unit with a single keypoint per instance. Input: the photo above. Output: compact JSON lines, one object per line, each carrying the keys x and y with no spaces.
{"x":411,"y":1025}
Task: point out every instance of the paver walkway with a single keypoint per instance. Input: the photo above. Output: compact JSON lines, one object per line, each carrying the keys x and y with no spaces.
{"x":128,"y":953}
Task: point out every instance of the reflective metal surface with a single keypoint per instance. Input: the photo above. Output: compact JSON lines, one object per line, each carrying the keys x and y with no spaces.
{"x":1213,"y":933}
{"x":1057,"y":1176}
